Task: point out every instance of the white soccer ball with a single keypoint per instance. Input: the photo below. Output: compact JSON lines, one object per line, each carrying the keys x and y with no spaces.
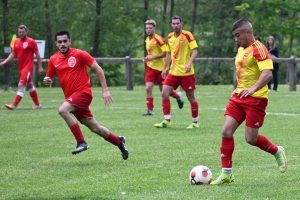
{"x":200,"y":175}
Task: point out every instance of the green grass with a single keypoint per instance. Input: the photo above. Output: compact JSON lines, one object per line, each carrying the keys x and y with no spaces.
{"x":36,"y":160}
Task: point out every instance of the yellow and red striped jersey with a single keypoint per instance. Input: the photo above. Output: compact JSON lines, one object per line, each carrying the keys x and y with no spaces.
{"x":250,"y":62}
{"x":180,"y":49}
{"x":154,"y":46}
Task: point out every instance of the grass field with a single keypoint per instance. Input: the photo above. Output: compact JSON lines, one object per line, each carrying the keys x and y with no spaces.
{"x":36,"y":160}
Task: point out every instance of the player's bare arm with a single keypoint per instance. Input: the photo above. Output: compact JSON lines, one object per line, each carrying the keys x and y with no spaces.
{"x":265,"y":77}
{"x":38,"y":58}
{"x":101,"y":77}
{"x":166,"y":65}
{"x":160,"y":55}
{"x":11,"y":56}
{"x":193,"y":56}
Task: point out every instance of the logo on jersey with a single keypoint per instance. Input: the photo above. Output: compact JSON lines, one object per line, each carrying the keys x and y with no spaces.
{"x":246,"y":55}
{"x":25,"y":44}
{"x":72,"y":61}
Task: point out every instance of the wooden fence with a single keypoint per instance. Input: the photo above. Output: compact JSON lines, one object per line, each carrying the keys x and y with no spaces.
{"x":291,"y":69}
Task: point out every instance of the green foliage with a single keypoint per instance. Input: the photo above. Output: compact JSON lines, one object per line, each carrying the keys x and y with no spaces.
{"x":121,"y":25}
{"x":36,"y":159}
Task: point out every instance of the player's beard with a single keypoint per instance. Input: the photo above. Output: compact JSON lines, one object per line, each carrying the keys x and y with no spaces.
{"x":64,"y":53}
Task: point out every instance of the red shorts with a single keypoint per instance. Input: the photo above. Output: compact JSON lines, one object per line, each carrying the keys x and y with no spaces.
{"x":25,"y":77}
{"x":82,"y":101}
{"x":251,"y":109}
{"x":186,"y":82}
{"x":153,"y":76}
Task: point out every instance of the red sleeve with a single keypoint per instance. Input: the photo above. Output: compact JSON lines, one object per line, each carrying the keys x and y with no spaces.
{"x":34,"y":45}
{"x":51,"y":69}
{"x":260,"y":52}
{"x":86,"y":58}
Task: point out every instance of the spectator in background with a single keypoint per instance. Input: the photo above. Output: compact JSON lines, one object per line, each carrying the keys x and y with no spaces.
{"x":24,"y":49}
{"x":273,"y":51}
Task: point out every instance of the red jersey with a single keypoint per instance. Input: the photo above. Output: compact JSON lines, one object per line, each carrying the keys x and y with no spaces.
{"x":24,"y":50}
{"x":71,"y":70}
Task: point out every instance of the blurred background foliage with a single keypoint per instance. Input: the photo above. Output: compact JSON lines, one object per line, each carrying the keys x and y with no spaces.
{"x":115,"y":28}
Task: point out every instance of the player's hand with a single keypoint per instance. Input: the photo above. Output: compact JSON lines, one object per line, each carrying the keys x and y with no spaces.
{"x":164,"y":74}
{"x":107,"y":98}
{"x":2,"y":63}
{"x":145,"y":60}
{"x":245,"y":93}
{"x":40,"y":70}
{"x":188,"y":68}
{"x":149,"y":57}
{"x":48,"y":80}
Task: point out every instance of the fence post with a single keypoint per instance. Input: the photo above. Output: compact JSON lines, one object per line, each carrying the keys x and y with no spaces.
{"x":129,"y":73}
{"x":234,"y":76}
{"x":293,"y":74}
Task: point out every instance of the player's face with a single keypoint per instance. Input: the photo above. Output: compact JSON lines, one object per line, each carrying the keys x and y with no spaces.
{"x":241,"y":37}
{"x":150,"y":29}
{"x":63,"y":43}
{"x":22,"y":33}
{"x":176,"y":25}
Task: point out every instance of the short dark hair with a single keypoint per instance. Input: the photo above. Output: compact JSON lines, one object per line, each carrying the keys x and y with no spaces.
{"x":239,"y":23}
{"x":176,"y":17}
{"x":59,"y":33}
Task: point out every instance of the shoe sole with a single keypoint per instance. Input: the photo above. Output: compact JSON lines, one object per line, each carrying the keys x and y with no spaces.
{"x":284,"y":158}
{"x":77,"y":152}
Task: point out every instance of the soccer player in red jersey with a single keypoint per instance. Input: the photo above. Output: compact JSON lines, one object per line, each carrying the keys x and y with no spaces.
{"x":24,"y":49}
{"x":248,"y":101}
{"x":69,"y":64}
{"x":156,"y":48}
{"x":182,"y":49}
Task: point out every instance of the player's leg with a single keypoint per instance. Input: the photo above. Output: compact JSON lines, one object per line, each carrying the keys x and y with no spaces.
{"x":194,"y":109}
{"x":254,"y":120}
{"x":65,"y":112}
{"x":33,"y":94}
{"x":226,"y":150}
{"x":149,"y":99}
{"x":102,"y":131}
{"x":166,"y":105}
{"x":188,"y":85}
{"x":234,"y":116}
{"x":21,"y":86}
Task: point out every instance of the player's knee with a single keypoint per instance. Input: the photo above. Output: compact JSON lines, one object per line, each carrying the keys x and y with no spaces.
{"x":250,"y":139}
{"x":226,"y":132}
{"x":62,"y":111}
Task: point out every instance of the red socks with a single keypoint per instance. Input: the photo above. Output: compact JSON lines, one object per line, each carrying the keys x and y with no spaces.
{"x":174,"y":94}
{"x":75,"y":129}
{"x":266,"y":145}
{"x":34,"y":97}
{"x":166,"y":105}
{"x":226,"y":149}
{"x":112,"y":138}
{"x":149,"y":102}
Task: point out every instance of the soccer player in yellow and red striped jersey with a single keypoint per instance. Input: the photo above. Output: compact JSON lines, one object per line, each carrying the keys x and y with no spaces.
{"x":183,"y":49}
{"x":248,"y":101}
{"x":156,"y":49}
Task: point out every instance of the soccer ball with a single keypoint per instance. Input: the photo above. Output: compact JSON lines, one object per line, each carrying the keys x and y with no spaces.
{"x":200,"y":175}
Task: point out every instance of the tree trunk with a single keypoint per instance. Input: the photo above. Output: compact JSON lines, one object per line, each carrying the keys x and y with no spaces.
{"x":194,"y":15}
{"x":164,"y":18}
{"x":172,"y":9}
{"x":97,"y":29}
{"x":146,"y":7}
{"x":6,"y":40}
